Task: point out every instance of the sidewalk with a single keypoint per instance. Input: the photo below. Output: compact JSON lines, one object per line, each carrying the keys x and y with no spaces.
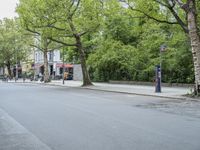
{"x":145,"y":90}
{"x":167,"y":92}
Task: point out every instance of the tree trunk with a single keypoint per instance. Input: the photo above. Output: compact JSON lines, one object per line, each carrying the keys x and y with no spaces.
{"x":46,"y":68}
{"x":3,"y":70}
{"x":195,"y":42}
{"x":86,"y":77}
{"x":9,"y":69}
{"x":45,"y":52}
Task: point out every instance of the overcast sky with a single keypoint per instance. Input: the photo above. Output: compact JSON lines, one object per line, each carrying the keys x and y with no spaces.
{"x":7,"y":8}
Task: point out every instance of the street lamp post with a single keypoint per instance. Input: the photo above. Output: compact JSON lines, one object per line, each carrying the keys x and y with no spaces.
{"x":34,"y":73}
{"x":73,"y":59}
{"x":159,"y":71}
{"x":4,"y":68}
{"x":63,"y":68}
{"x":16,"y":72}
{"x":158,"y":79}
{"x":15,"y":49}
{"x":162,"y":50}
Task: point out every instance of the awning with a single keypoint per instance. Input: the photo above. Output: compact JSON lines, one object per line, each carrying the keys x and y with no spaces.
{"x":37,"y":65}
{"x":60,"y":65}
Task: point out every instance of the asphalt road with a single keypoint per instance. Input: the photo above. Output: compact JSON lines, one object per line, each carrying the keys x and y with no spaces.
{"x":61,"y":118}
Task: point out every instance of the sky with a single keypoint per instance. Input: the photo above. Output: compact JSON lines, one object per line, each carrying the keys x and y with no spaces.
{"x":7,"y":8}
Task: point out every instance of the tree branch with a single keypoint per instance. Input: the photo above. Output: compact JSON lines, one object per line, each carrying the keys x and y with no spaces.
{"x":75,"y":9}
{"x":72,"y":4}
{"x":171,"y":8}
{"x":179,"y":20}
{"x":56,"y":48}
{"x":54,"y":27}
{"x":83,"y":33}
{"x":184,"y":6}
{"x":48,"y":42}
{"x":61,"y":42}
{"x":173,"y":3}
{"x":37,"y":47}
{"x":32,"y":31}
{"x":151,"y":17}
{"x":161,"y":3}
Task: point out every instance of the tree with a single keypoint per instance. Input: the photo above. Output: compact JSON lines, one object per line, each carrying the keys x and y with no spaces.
{"x":74,"y":19}
{"x":176,"y":12}
{"x":116,"y":56}
{"x":34,"y":19}
{"x":69,"y":21}
{"x":14,"y":43}
{"x":128,"y":45}
{"x":112,"y":60}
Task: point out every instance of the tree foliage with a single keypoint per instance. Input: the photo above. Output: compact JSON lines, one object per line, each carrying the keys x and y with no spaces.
{"x":14,"y":43}
{"x":142,"y":31}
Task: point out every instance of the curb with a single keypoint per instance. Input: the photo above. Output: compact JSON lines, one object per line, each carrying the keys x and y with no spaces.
{"x":131,"y":93}
{"x":139,"y":94}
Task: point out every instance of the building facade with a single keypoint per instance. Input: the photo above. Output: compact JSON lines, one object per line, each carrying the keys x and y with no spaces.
{"x":55,"y":64}
{"x":53,"y":58}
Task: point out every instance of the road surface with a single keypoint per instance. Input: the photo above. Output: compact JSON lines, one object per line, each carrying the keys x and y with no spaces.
{"x":62,"y":118}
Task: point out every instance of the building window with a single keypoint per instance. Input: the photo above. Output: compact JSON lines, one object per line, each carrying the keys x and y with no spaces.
{"x":50,"y":56}
{"x":36,"y":57}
